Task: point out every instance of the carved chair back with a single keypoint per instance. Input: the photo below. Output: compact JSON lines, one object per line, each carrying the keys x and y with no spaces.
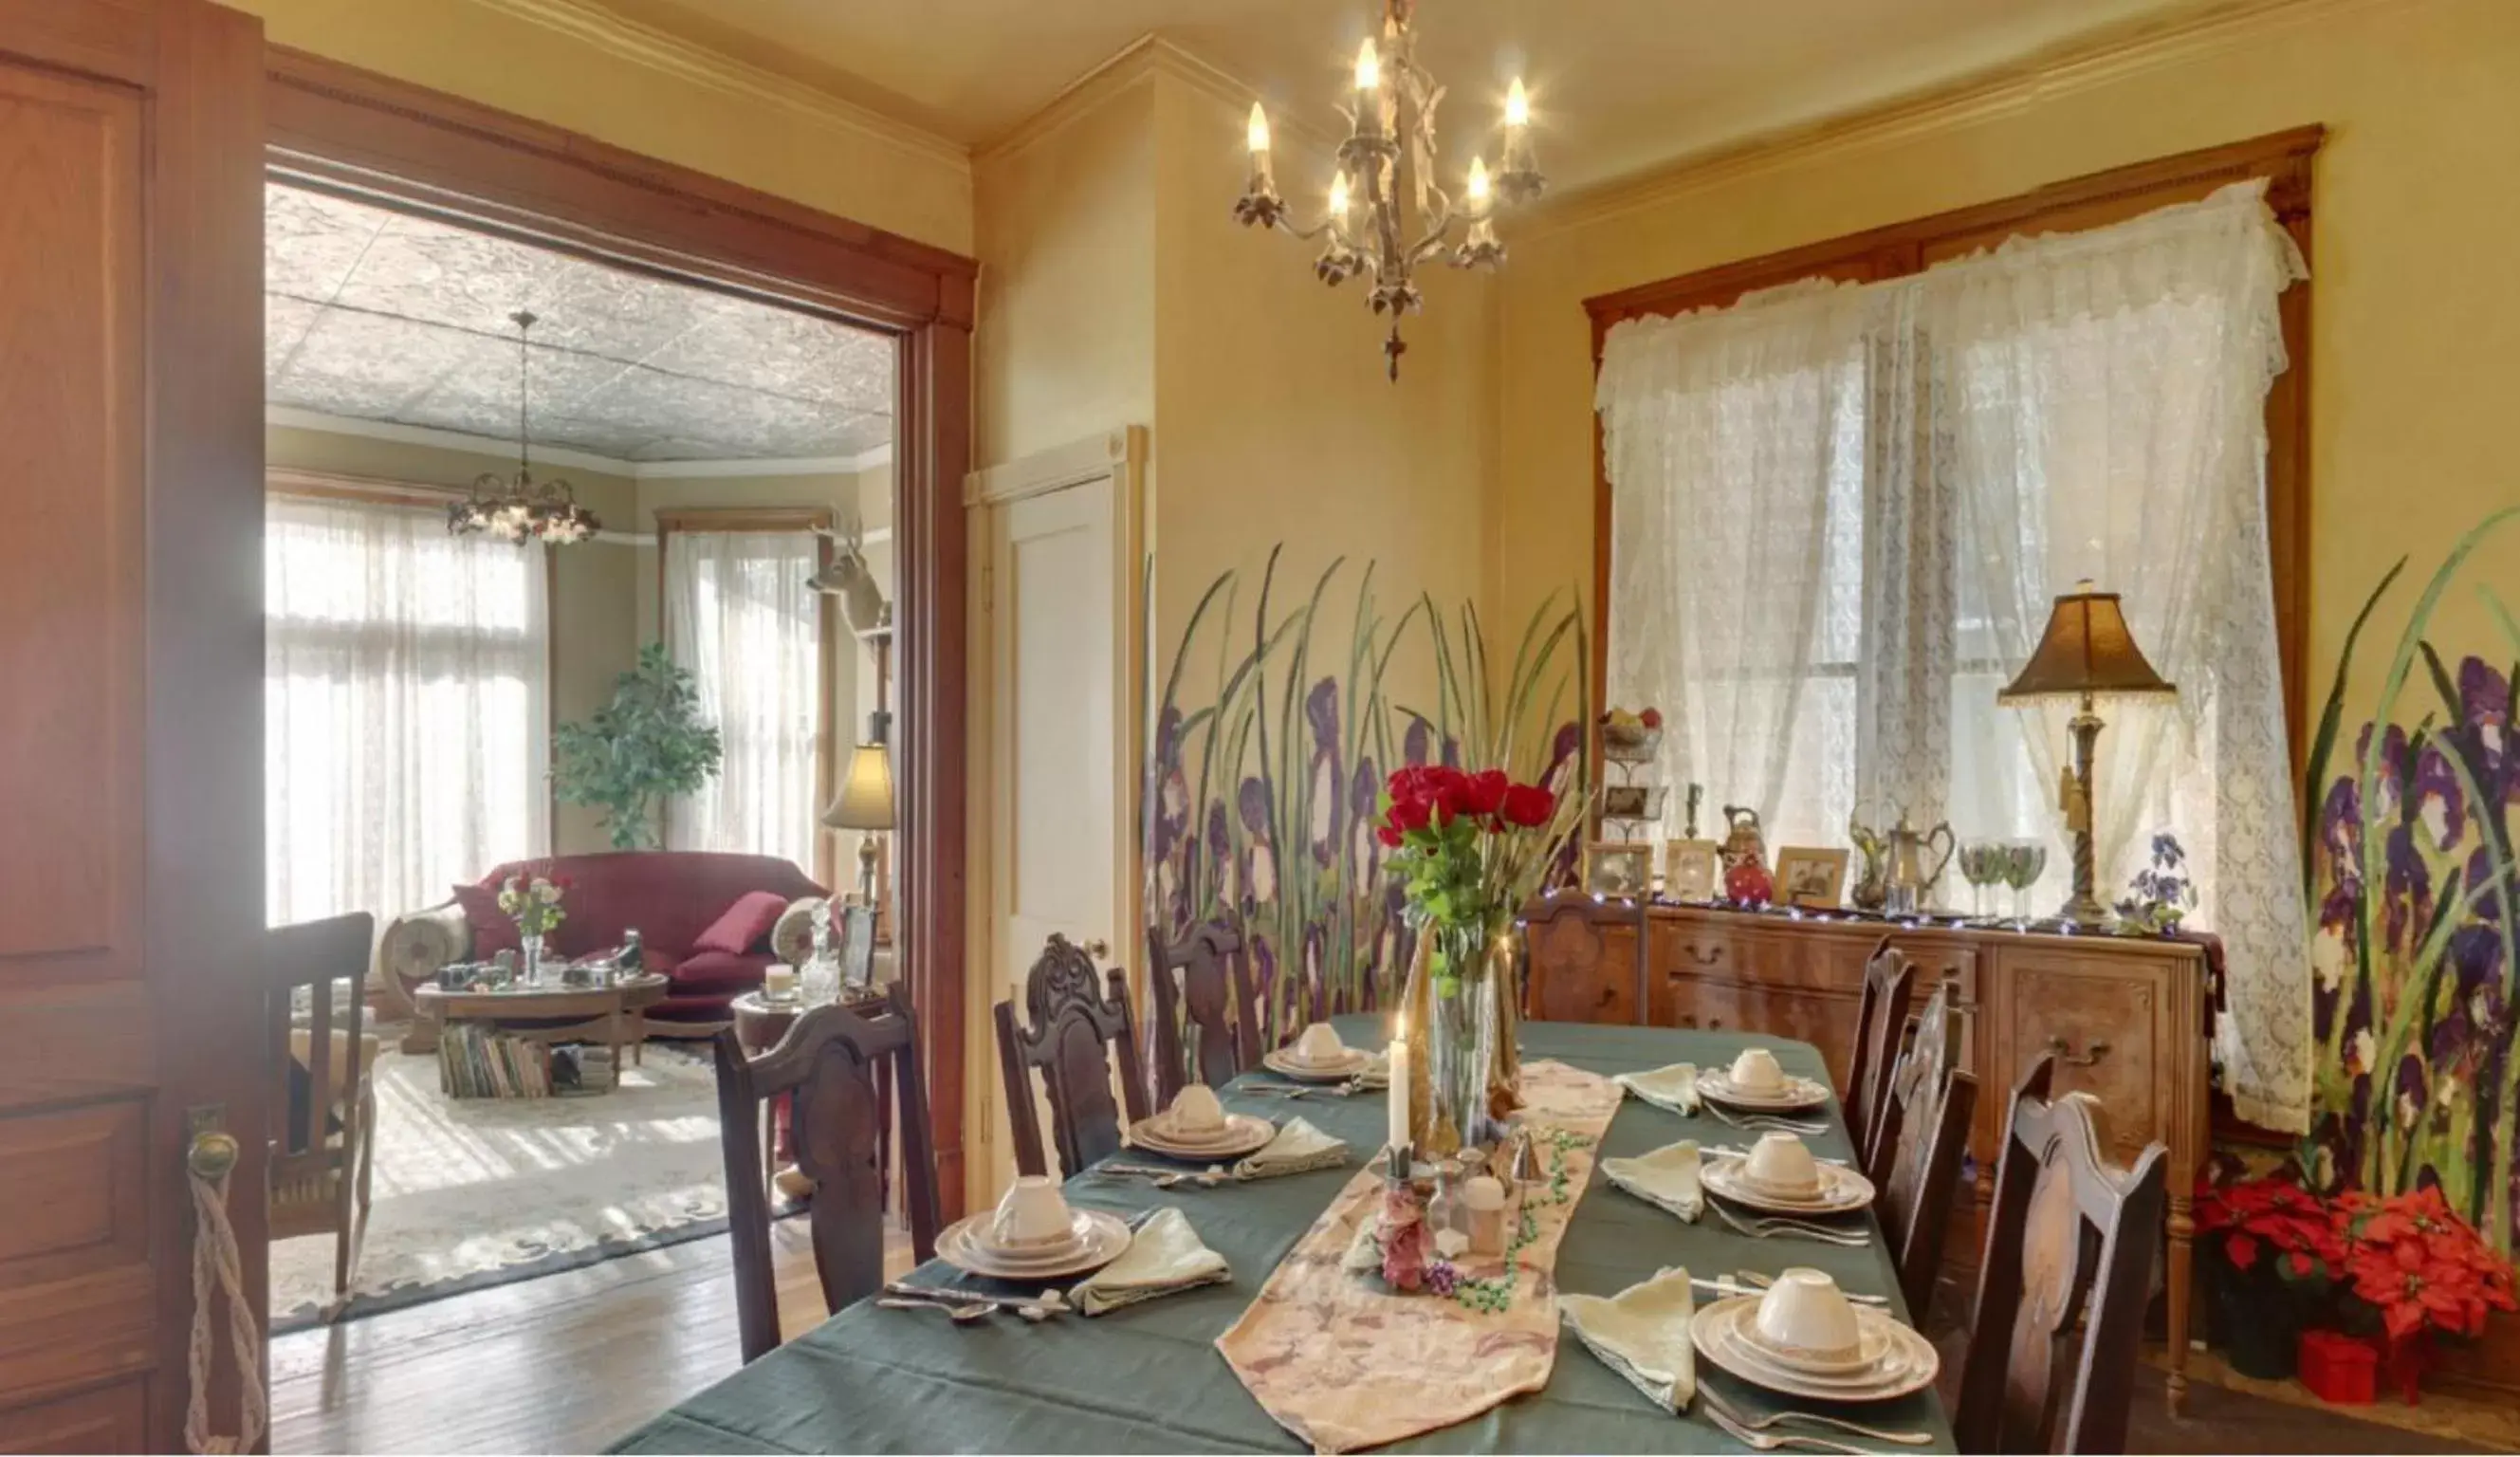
{"x":827,"y":1064}
{"x":1575,"y":972}
{"x":1880,"y":1019}
{"x":1922,"y":1143}
{"x":2070,"y":1243}
{"x":1075,"y":1028}
{"x":1202,"y":988}
{"x":324,"y":1106}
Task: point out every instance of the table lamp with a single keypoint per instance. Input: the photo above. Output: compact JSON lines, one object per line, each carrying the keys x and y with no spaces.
{"x":2086,"y":652}
{"x":864,"y":802}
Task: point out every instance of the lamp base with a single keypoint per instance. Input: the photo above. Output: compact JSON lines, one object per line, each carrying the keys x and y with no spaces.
{"x":866,"y":871}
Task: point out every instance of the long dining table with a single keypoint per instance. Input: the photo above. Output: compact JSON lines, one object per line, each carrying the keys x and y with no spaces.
{"x":1149,"y":1377}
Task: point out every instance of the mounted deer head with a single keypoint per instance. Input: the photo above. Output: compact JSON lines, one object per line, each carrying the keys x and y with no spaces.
{"x":850,"y":579}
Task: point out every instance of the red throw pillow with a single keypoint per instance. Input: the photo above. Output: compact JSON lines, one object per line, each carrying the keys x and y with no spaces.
{"x":492,"y":929}
{"x":742,"y":925}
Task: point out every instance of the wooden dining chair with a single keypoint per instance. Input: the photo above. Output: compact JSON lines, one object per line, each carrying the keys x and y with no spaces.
{"x":1880,"y":1020}
{"x":1075,"y":1028}
{"x":1203,"y":986}
{"x":322,"y":1153}
{"x":1575,"y":969}
{"x":2069,"y":1242}
{"x":829,"y":1065}
{"x":1921,"y":1144}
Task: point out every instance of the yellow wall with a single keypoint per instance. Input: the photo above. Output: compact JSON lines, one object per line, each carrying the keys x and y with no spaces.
{"x":569,"y":66}
{"x":2416,"y":301}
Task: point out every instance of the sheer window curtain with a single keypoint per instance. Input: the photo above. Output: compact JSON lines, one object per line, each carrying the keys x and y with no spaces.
{"x":741,"y":616}
{"x":405,"y":711}
{"x":2084,"y":404}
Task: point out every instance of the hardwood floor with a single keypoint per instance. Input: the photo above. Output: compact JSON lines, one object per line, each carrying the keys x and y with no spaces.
{"x":571,"y":1362}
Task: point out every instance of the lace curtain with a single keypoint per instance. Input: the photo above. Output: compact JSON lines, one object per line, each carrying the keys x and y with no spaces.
{"x":741,"y":616}
{"x":2077,"y":405}
{"x":405,"y":718}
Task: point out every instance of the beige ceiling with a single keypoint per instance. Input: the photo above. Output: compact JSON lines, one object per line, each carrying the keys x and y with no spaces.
{"x":1619,"y":84}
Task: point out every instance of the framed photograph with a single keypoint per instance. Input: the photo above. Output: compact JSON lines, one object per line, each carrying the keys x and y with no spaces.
{"x":1810,"y":877}
{"x":1618,"y":868}
{"x":1692,"y":869}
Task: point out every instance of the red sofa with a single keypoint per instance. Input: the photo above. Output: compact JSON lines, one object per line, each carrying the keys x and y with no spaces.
{"x":671,"y":896}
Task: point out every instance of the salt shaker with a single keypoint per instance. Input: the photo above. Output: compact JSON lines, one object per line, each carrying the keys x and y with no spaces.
{"x":1444,"y":1210}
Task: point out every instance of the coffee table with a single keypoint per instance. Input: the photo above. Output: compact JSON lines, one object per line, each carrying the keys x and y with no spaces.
{"x":616,"y":1015}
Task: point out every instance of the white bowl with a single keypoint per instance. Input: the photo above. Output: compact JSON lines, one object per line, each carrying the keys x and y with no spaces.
{"x":1805,"y":1317}
{"x":1780,"y":1163}
{"x":1319,"y":1046}
{"x":1755,"y":1071}
{"x":1032,"y":1215}
{"x":1195,"y":1112}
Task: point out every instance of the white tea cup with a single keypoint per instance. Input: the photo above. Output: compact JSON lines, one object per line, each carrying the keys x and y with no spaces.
{"x":1319,"y":1045}
{"x":1032,"y":1212}
{"x":1756,"y":1071}
{"x":1805,"y":1314}
{"x":1779,"y":1164}
{"x":1195,"y":1110}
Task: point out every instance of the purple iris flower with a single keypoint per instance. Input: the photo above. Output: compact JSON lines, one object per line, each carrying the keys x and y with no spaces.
{"x":2438,"y":802}
{"x":1416,"y":742}
{"x":1320,"y":713}
{"x":2340,"y":821}
{"x":2480,"y":872}
{"x":2410,"y":888}
{"x":1570,"y":738}
{"x":2412,"y":1090}
{"x":2390,"y":766}
{"x":1365,"y":850}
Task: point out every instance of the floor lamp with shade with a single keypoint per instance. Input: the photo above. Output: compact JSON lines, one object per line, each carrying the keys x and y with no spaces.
{"x":2086,"y":654}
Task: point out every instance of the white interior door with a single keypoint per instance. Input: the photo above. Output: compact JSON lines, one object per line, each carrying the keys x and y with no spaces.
{"x":1054,"y":831}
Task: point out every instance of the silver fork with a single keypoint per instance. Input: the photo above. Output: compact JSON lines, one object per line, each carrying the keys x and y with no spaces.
{"x":1762,"y":1442}
{"x":1742,"y":1419}
{"x":1765,"y":1121}
{"x":1770,"y":1227}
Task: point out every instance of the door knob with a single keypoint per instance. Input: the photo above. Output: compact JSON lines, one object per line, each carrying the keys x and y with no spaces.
{"x":1098,"y":949}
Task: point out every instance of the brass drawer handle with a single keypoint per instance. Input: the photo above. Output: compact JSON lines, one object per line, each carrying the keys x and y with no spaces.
{"x":2063,"y":1052}
{"x":1608,"y":995}
{"x":1704,"y":955}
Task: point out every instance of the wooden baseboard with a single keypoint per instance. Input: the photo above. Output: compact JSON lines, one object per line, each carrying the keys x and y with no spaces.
{"x":2488,"y":1366}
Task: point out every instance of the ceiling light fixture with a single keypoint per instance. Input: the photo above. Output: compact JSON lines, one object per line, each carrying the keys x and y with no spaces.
{"x":525,"y":509}
{"x":1386,"y":168}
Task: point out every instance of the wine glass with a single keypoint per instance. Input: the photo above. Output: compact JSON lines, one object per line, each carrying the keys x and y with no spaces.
{"x":1983,"y":864}
{"x":2026,"y":861}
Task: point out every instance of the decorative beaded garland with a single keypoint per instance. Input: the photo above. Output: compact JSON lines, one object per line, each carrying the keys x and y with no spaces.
{"x":1496,"y":1292}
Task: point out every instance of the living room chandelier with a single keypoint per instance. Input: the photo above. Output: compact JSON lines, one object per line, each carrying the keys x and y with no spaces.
{"x":1388,"y":214}
{"x":522,"y":508}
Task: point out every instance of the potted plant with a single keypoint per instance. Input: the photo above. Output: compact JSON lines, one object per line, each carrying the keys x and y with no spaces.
{"x":648,"y":743}
{"x":2416,"y":1269}
{"x":2274,"y":1248}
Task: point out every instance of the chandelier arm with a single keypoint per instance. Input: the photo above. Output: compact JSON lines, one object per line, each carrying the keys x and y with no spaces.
{"x":1434,"y":243}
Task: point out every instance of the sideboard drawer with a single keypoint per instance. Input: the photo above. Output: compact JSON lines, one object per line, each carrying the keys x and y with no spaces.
{"x":1768,"y":956}
{"x":1823,"y":1019}
{"x":2103,"y":1020}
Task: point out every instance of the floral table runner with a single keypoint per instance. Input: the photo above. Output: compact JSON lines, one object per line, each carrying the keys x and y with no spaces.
{"x":1344,"y":1363}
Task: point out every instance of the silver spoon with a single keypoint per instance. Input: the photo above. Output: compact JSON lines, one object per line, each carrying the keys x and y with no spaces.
{"x":1765,"y":1120}
{"x":1759,"y":1280}
{"x":1745,"y":1287}
{"x":1050,"y":1303}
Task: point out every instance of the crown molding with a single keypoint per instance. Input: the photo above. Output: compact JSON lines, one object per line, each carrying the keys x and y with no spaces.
{"x":2009,"y":90}
{"x":583,"y":460}
{"x":1148,"y":55}
{"x":671,"y":55}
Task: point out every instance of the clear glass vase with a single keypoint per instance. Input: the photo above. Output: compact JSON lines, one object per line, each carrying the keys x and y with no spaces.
{"x":529,"y":960}
{"x":1461,"y":1034}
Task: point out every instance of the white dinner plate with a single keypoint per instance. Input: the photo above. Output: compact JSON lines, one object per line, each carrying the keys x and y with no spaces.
{"x":1897,"y":1360}
{"x":1285,"y":1064}
{"x":1842,"y":1191}
{"x":962,"y":1246}
{"x":1797,"y":1093}
{"x":1242,"y":1134}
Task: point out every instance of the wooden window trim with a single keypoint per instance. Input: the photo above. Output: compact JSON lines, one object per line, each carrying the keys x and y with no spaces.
{"x":2098,"y":199}
{"x":827,"y":627}
{"x":338,"y":128}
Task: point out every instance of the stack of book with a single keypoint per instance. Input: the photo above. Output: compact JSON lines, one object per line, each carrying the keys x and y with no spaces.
{"x":475,"y":1062}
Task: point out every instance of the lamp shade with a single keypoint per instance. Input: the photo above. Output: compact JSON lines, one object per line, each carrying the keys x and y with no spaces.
{"x":865,"y":800}
{"x":2085,"y":650}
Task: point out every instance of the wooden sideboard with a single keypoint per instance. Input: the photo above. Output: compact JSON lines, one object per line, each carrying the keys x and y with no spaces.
{"x":2128,"y":1018}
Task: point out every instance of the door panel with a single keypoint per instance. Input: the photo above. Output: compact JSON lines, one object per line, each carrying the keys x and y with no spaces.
{"x":1051,"y":626}
{"x":130,"y":636}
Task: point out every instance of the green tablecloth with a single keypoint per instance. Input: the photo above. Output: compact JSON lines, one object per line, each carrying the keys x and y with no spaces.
{"x":1149,"y":1377}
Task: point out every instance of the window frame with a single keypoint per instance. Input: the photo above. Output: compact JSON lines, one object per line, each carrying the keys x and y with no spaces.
{"x":817,"y":519}
{"x":2285,"y":159}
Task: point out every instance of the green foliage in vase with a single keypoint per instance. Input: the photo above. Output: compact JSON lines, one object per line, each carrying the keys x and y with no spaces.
{"x":649,"y":743}
{"x":2407,"y":857}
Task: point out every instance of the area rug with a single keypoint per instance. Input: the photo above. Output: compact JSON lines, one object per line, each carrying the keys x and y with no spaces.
{"x":477,"y":1191}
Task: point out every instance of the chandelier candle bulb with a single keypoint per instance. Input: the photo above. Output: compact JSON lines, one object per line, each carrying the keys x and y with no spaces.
{"x":1368,"y":91}
{"x":1338,"y":199}
{"x":1257,"y":133}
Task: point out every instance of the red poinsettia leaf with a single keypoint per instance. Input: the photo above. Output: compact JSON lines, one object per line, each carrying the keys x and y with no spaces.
{"x":2242,"y":1248}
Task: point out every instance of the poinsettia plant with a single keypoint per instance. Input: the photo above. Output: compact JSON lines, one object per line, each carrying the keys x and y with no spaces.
{"x":1471,"y":848}
{"x":2272,"y":1217}
{"x":2420,"y":1265}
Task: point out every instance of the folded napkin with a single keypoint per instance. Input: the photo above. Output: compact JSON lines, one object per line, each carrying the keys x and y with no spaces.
{"x":1299,"y":1147}
{"x":1165,"y":1256}
{"x":1641,"y":1333}
{"x":1667,"y":1178}
{"x":1376,"y":1074}
{"x":1674,"y":1087}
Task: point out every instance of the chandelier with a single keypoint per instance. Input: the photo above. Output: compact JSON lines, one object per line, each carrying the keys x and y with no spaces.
{"x":1387,"y":214}
{"x":524,"y":508}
